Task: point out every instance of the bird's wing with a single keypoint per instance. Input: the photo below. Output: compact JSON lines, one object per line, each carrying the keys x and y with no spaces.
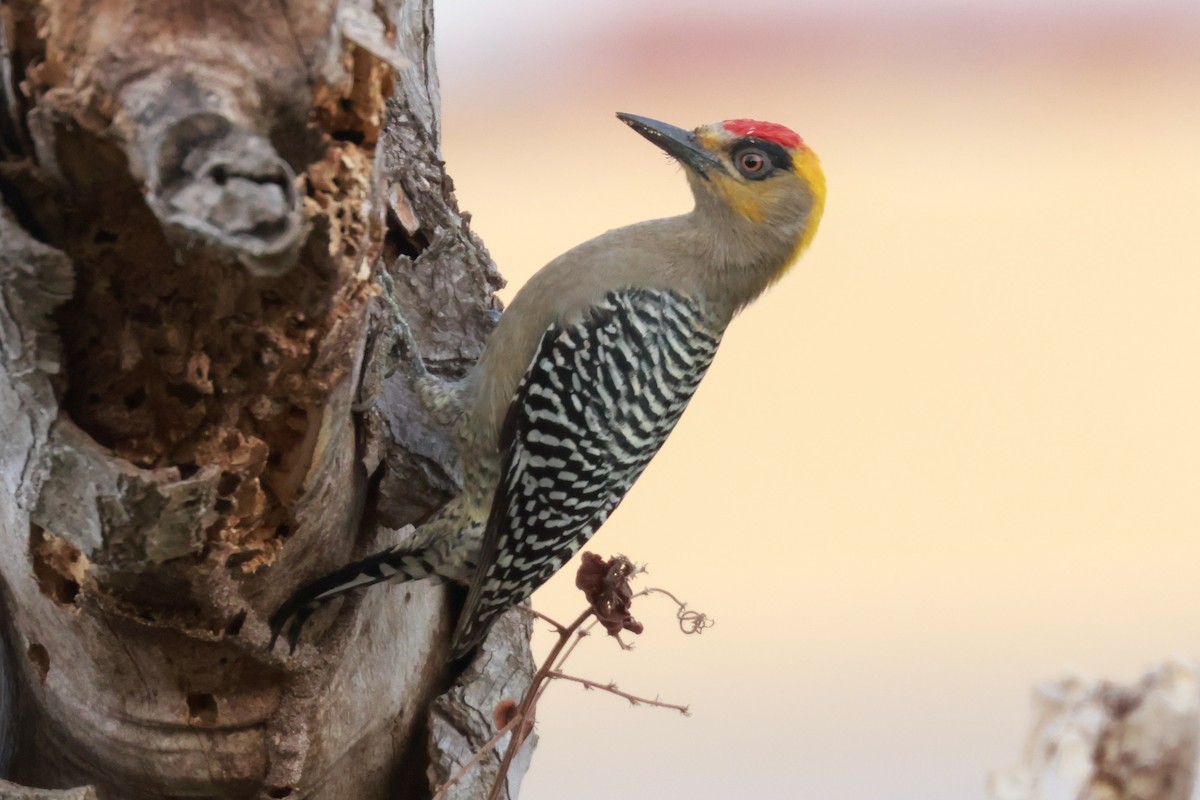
{"x":594,"y":406}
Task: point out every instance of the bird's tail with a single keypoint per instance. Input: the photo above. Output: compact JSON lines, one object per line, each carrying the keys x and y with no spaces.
{"x":399,"y":564}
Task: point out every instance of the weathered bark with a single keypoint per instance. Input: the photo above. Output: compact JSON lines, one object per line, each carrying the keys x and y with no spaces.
{"x":1096,"y":740}
{"x":198,"y":201}
{"x":11,"y":791}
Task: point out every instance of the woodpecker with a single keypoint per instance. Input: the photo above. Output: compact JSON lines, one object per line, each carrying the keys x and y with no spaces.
{"x":589,"y":369}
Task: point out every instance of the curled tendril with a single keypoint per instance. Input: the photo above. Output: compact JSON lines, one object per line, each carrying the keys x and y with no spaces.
{"x":693,"y":621}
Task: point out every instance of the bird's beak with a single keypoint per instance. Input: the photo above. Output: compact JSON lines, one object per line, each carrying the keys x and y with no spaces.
{"x":681,"y":145}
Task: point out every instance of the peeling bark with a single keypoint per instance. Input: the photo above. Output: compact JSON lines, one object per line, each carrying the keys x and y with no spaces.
{"x":197,"y":203}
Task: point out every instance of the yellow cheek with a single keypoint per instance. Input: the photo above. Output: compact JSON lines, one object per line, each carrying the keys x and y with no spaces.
{"x":741,"y":197}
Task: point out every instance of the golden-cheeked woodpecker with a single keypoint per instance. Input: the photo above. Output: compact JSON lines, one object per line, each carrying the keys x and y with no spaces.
{"x":589,"y":369}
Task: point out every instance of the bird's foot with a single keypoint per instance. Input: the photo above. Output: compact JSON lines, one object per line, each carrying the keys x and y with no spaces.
{"x":290,"y":618}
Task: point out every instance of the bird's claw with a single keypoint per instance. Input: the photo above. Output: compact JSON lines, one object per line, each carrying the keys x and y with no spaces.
{"x":290,"y":618}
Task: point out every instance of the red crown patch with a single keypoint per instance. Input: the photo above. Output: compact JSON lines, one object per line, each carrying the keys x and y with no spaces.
{"x":770,"y":131}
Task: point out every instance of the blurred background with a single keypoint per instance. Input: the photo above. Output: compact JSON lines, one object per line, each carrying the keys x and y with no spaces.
{"x":955,"y":453}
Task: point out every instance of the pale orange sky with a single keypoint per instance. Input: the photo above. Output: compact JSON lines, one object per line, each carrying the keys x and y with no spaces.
{"x":955,"y":452}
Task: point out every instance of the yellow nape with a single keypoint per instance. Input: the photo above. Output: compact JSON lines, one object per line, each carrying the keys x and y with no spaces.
{"x":808,"y":168}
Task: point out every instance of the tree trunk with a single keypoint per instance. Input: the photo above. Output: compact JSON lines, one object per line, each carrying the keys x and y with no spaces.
{"x":200,"y":201}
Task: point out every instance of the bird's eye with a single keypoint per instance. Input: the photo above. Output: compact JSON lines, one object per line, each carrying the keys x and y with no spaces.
{"x":752,"y":163}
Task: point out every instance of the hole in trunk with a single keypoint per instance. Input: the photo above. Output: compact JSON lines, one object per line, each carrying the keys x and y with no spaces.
{"x":56,"y":565}
{"x":234,"y":627}
{"x":228,"y":483}
{"x":202,"y":708}
{"x":397,"y":241}
{"x":40,"y":659}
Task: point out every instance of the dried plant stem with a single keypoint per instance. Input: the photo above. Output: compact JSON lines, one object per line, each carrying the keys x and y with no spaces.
{"x":558,"y":628}
{"x":580,"y":635}
{"x":612,"y":689}
{"x":465,"y":768}
{"x":527,"y":702}
{"x":689,"y":621}
{"x":606,"y":585}
{"x":656,"y":590}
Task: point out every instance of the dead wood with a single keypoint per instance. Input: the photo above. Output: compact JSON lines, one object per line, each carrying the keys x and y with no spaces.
{"x":198,"y":201}
{"x":1099,"y":740}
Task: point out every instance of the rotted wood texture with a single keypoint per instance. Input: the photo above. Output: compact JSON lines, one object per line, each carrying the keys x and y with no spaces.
{"x":197,"y":204}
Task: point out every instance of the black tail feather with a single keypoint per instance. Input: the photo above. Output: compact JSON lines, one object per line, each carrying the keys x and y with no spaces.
{"x":390,"y":565}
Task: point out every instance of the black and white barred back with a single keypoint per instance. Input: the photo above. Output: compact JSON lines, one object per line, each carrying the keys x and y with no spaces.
{"x":597,"y":402}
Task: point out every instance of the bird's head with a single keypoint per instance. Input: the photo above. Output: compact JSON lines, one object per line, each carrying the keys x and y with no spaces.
{"x":760,"y":176}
